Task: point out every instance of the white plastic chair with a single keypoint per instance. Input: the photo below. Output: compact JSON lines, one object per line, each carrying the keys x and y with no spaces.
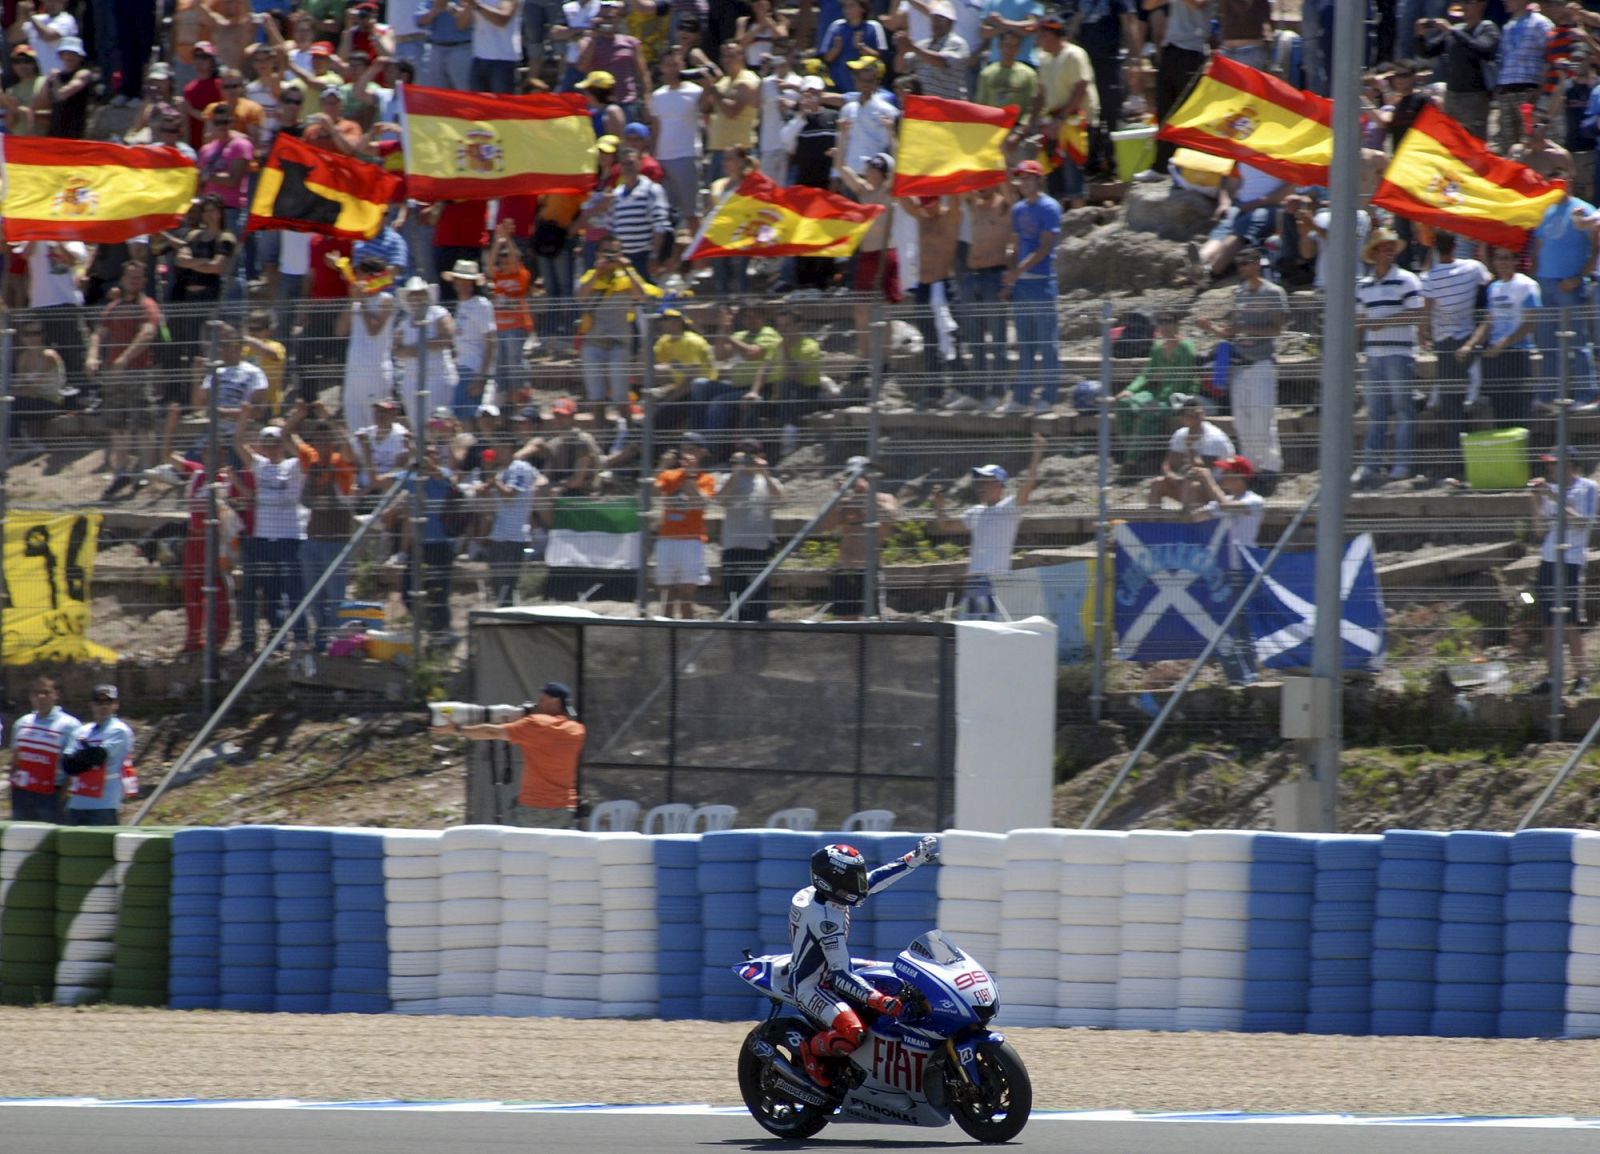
{"x":710,"y":817}
{"x":616,"y":816}
{"x":870,"y":820}
{"x":671,"y":818}
{"x":799,"y":817}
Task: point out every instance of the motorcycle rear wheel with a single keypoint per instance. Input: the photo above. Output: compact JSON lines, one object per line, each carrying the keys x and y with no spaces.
{"x":999,"y":1109}
{"x":769,"y":1105}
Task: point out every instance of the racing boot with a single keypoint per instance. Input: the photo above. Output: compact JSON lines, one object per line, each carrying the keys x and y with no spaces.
{"x":841,"y":1039}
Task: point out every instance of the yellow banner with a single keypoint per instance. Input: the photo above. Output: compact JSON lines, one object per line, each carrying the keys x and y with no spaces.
{"x":49,"y":562}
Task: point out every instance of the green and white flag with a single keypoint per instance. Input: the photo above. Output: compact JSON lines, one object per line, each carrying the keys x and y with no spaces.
{"x":594,"y":534}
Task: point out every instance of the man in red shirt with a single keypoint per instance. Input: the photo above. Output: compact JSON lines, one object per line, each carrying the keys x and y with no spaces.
{"x":121,"y":358}
{"x":550,"y":738}
{"x":201,"y":92}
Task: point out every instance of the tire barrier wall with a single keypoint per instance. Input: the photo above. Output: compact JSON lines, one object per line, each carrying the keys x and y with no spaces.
{"x":1466,"y":934}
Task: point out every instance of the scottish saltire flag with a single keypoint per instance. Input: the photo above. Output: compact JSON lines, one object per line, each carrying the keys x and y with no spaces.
{"x":1063,"y":593}
{"x":1172,"y":588}
{"x":1283,"y":613}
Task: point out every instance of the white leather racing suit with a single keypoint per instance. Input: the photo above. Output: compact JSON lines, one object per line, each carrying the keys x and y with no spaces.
{"x":820,"y":976}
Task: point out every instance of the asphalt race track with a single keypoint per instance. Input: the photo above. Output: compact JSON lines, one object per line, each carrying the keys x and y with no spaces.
{"x":86,"y":1127}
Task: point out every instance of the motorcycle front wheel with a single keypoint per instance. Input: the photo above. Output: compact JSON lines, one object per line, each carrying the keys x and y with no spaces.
{"x":769,"y":1104}
{"x":997,"y":1110}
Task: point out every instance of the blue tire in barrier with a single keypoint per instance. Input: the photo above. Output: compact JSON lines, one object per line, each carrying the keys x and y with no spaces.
{"x":1468,"y":997}
{"x":203,"y":839}
{"x":197,"y":864}
{"x":1264,"y":965}
{"x":1401,"y":874}
{"x":304,"y":933}
{"x":1281,"y":906}
{"x":256,"y":909}
{"x":731,"y":845}
{"x":1402,"y":965}
{"x":1340,"y":971}
{"x":358,"y":871}
{"x":1402,"y":1023}
{"x":1273,"y":1022}
{"x":1542,"y":845}
{"x":302,"y":837}
{"x":359,"y":980}
{"x":677,"y":852}
{"x":1341,"y":944}
{"x":1532,"y":1023}
{"x":679,"y":909}
{"x":359,"y":926}
{"x":1346,"y":885}
{"x":674,"y":882}
{"x":1476,"y":878}
{"x":1540,"y":875}
{"x":247,"y":886}
{"x":773,"y":902}
{"x":247,"y":955}
{"x":1453,"y":967}
{"x":724,"y":877}
{"x":726,"y":1008}
{"x":305,"y":909}
{"x":347,"y":899}
{"x":196,"y":946}
{"x":780,"y":875}
{"x":1477,"y":846}
{"x":303,"y":981}
{"x":680,"y":937}
{"x":681,"y":985}
{"x":1523,"y":966}
{"x":194,"y":925}
{"x":1483,"y":908}
{"x":1408,"y":904}
{"x":678,"y":1009}
{"x":1356,"y":916}
{"x":1354,"y":1024}
{"x":1405,"y":934}
{"x":675,"y":962}
{"x":1471,"y":938}
{"x":301,"y":861}
{"x":1413,"y":845}
{"x":726,"y":946}
{"x":1278,"y":934}
{"x":185,"y":966}
{"x":207,"y":888}
{"x":361,"y":955}
{"x":1277,"y":997}
{"x":288,"y":886}
{"x":1402,"y":996}
{"x":1284,"y":847}
{"x":1271,"y":877}
{"x":304,"y":957}
{"x":247,"y":861}
{"x":248,"y":979}
{"x":1344,"y":853}
{"x":300,"y":1003}
{"x":249,"y":933}
{"x":340,"y":1002}
{"x":730,"y":911}
{"x":773,"y":934}
{"x":1550,"y":937}
{"x":1537,"y":997}
{"x":246,"y":1003}
{"x":194,"y":986}
{"x":354,"y":845}
{"x":1464,"y":1024}
{"x":1339,"y":1000}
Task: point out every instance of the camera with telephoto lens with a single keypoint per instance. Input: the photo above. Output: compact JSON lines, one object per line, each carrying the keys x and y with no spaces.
{"x":465,"y":713}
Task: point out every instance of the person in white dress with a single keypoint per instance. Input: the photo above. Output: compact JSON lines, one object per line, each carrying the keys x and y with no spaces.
{"x":474,"y":342}
{"x":419,"y":314}
{"x":369,"y":359}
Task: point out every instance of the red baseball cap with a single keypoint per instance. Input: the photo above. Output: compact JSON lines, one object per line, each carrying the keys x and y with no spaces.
{"x":1238,"y":466}
{"x":564,"y":405}
{"x":1032,"y":167}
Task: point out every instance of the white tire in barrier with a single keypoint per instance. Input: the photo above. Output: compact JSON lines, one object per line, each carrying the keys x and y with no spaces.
{"x":27,"y":835}
{"x":101,"y":899}
{"x":469,"y":861}
{"x":1075,"y":911}
{"x":630,"y":942}
{"x":475,"y":961}
{"x":568,"y":843}
{"x":1029,"y":992}
{"x":413,"y":913}
{"x":531,"y":910}
{"x":977,"y":917}
{"x":629,"y":1009}
{"x":1586,"y":848}
{"x":474,"y":885}
{"x":91,"y":927}
{"x":1033,"y":875}
{"x":626,"y":987}
{"x":1069,"y":1018}
{"x":412,"y":988}
{"x":631,"y":898}
{"x":580,"y":1009}
{"x":78,"y":995}
{"x":1212,"y":964}
{"x":568,"y":940}
{"x":84,"y":973}
{"x":408,"y":939}
{"x":125,"y":846}
{"x":11,"y":861}
{"x":1582,"y":969}
{"x":983,"y":946}
{"x":1087,"y":967}
{"x":470,"y":912}
{"x":1157,"y":845}
{"x":1583,"y":999}
{"x":1154,"y":937}
{"x":966,"y":883}
{"x":1086,"y":995}
{"x":624,"y":921}
{"x":525,"y":933}
{"x":1585,"y":912}
{"x":625,"y":849}
{"x":1219,"y":875}
{"x":571,"y":893}
{"x":1147,"y":993}
{"x":524,"y":983}
{"x":1029,"y":905}
{"x":1586,"y":881}
{"x":1140,"y":1018}
{"x":960,"y":848}
{"x":1156,"y":908}
{"x":428,"y":889}
{"x":1089,"y":939}
{"x":1585,"y":940}
{"x":506,"y":1005}
{"x":398,"y":843}
{"x":420,"y":866}
{"x":101,"y":950}
{"x":517,"y":840}
{"x":477,"y":936}
{"x":1094,"y":847}
{"x":1026,"y":963}
{"x":519,"y":958}
{"x":473,"y":1007}
{"x":1147,"y":964}
{"x":1214,"y":934}
{"x":1222,"y":845}
{"x":474,"y":837}
{"x":1145,"y":877}
{"x":576,"y":917}
{"x":1028,"y":933}
{"x":642,"y":962}
{"x":628,"y":877}
{"x":1022,"y":1016}
{"x":523,"y":863}
{"x":524,"y":888}
{"x":574,"y":869}
{"x":1092,"y":881}
{"x":1204,"y":1018}
{"x":467,"y":984}
{"x":1216,"y":904}
{"x":580,"y":984}
{"x":1211,"y":993}
{"x":1582,"y":1025}
{"x":1034,"y":844}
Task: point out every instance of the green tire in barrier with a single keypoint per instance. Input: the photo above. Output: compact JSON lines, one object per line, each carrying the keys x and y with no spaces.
{"x":139,"y":938}
{"x":139,"y":979}
{"x":86,"y":841}
{"x":146,"y":874}
{"x":26,"y":948}
{"x":87,"y":899}
{"x":32,"y":974}
{"x":138,"y":997}
{"x":150,"y":916}
{"x":30,"y":895}
{"x":146,"y":958}
{"x":85,"y":871}
{"x":36,"y":867}
{"x":146,"y":897}
{"x":20,"y":994}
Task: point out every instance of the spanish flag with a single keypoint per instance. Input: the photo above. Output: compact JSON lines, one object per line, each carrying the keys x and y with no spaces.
{"x":475,"y":146}
{"x":1444,"y":176}
{"x":761,"y":219}
{"x":89,"y":191}
{"x":1237,"y":111}
{"x":951,"y":146}
{"x":302,"y":188}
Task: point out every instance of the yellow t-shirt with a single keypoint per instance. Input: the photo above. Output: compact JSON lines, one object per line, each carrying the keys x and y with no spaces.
{"x":1060,"y":73}
{"x":689,"y":350}
{"x":271,"y":360}
{"x":735,"y":131}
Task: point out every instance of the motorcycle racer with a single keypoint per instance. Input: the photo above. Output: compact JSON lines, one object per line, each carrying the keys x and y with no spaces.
{"x":820,"y":977}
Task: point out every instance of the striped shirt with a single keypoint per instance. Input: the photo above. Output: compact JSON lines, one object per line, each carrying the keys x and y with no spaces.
{"x":1453,"y":288}
{"x":638,"y":214}
{"x":948,"y":79}
{"x":278,"y":487}
{"x":1522,"y":45}
{"x":1398,"y":296}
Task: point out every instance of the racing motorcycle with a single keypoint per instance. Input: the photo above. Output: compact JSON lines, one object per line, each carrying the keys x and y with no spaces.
{"x":938,"y":1061}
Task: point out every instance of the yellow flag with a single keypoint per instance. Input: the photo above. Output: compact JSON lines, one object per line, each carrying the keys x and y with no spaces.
{"x":49,"y":561}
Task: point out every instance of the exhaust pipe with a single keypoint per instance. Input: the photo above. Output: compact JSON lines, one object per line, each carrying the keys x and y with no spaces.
{"x":797,"y":1084}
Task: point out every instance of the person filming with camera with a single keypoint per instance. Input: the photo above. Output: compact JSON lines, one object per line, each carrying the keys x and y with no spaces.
{"x":550,"y":738}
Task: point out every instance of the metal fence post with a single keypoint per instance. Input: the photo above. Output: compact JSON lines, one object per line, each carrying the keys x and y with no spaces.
{"x":1559,"y":612}
{"x":647,"y":456}
{"x":211,"y":580}
{"x":419,"y":500}
{"x":1102,"y":522}
{"x":877,"y":345}
{"x":7,"y":338}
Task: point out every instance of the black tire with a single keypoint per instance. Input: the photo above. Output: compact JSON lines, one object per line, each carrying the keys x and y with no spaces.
{"x":998,"y":1110}
{"x":768,"y":1103}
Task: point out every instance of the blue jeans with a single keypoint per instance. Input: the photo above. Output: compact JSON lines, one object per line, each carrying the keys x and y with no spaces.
{"x":605,"y":371}
{"x":272,"y":571}
{"x":415,"y":51}
{"x":1547,"y":332}
{"x":468,"y":394}
{"x":714,"y":405}
{"x":983,"y":323}
{"x":729,"y":275}
{"x":496,"y":76}
{"x":557,"y":274}
{"x":315,"y":556}
{"x":1033,"y":311}
{"x":449,"y":66}
{"x":1389,"y":381}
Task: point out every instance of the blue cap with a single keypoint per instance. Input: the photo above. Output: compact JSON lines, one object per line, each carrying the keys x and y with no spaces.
{"x":558,"y":689}
{"x":636,"y":128}
{"x":992,"y":472}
